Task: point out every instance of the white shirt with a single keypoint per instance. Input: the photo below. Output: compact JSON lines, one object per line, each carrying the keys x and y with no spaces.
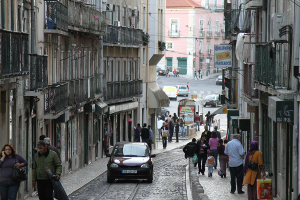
{"x":159,"y":124}
{"x":235,"y":151}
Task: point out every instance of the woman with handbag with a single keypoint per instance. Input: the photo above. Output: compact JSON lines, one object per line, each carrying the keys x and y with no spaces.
{"x":252,"y":170}
{"x":164,"y":134}
{"x":8,"y":161}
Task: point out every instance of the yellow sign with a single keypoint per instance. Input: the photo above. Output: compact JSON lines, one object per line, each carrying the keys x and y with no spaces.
{"x":223,"y":55}
{"x":224,"y":110}
{"x":170,"y":90}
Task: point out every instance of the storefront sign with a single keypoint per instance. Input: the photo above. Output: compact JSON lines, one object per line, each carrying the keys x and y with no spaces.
{"x":250,"y":108}
{"x":281,"y":111}
{"x":223,"y":55}
{"x":188,"y":112}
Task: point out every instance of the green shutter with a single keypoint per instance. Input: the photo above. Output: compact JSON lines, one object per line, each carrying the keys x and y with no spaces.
{"x":182,"y":65}
{"x":169,"y":63}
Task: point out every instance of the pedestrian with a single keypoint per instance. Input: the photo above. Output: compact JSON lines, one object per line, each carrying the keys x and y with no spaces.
{"x":235,"y":151}
{"x":218,"y":133}
{"x":174,"y":117}
{"x":195,"y":75}
{"x":176,"y":129}
{"x":137,"y":133}
{"x":163,"y":135}
{"x":150,"y":137}
{"x":9,"y":159}
{"x":163,"y":117}
{"x":167,"y":71}
{"x":177,"y":73}
{"x":213,"y":143}
{"x":190,"y":149}
{"x":202,"y":147}
{"x":182,"y":124}
{"x":169,"y":118}
{"x":210,"y":163}
{"x":159,"y":125}
{"x":222,"y":159}
{"x":206,"y":132}
{"x":171,"y":129}
{"x":208,"y":119}
{"x":174,"y":73}
{"x":53,"y":148}
{"x":197,"y":120}
{"x":188,"y":85}
{"x":225,"y":142}
{"x":199,"y":71}
{"x":251,"y":175}
{"x":39,"y":173}
{"x":145,"y":133}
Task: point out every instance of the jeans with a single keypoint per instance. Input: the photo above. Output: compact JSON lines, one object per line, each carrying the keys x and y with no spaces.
{"x":164,"y":141}
{"x":201,"y":162}
{"x":182,"y":131}
{"x":9,"y":189}
{"x":195,"y":77}
{"x":171,"y":134}
{"x":176,"y":133}
{"x":175,"y":74}
{"x":198,"y":124}
{"x":145,"y":140}
{"x":159,"y":132}
{"x":208,"y":123}
{"x":45,"y":189}
{"x":236,"y":172}
{"x":215,"y":154}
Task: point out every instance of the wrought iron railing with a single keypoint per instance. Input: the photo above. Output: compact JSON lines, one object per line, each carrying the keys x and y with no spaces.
{"x":174,"y":33}
{"x":117,"y":88}
{"x":202,"y":34}
{"x":14,"y":54}
{"x":38,"y":72}
{"x":209,"y":34}
{"x":71,"y":93}
{"x":56,"y":98}
{"x":77,"y":92}
{"x":92,"y":87}
{"x":110,"y":91}
{"x":231,"y":21}
{"x":124,"y":89}
{"x":123,"y":35}
{"x":98,"y":87}
{"x":56,"y":16}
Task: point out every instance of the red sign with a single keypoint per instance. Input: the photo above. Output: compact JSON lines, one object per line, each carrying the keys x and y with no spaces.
{"x":194,"y":60}
{"x":188,"y":113}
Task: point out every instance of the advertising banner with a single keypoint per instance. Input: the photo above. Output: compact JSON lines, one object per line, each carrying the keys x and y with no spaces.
{"x":188,"y":112}
{"x":223,"y":55}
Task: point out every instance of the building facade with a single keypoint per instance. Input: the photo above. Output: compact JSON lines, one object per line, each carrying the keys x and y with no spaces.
{"x":193,"y":28}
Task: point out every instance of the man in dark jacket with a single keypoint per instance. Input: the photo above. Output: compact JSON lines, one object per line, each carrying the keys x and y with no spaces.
{"x":145,"y":133}
{"x":176,"y":129}
{"x":190,"y":148}
{"x":207,"y":133}
{"x":53,"y":148}
{"x":137,"y":133}
{"x":171,"y":129}
{"x":174,"y":117}
{"x":202,"y":146}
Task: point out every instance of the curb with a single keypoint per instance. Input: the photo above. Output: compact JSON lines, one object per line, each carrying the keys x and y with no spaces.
{"x":195,"y":186}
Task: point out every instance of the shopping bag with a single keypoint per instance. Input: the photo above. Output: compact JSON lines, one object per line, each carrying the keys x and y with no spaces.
{"x":264,"y":189}
{"x":195,"y":159}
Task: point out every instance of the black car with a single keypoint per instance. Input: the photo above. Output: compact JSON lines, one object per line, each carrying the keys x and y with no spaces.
{"x":212,"y":100}
{"x":219,"y":80}
{"x":130,"y":160}
{"x":160,"y":71}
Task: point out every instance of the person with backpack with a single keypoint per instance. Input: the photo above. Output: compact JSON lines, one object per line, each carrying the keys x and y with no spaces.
{"x":190,"y":149}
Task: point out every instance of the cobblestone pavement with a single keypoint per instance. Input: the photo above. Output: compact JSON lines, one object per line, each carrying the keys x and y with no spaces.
{"x":217,"y":188}
{"x":168,"y":182}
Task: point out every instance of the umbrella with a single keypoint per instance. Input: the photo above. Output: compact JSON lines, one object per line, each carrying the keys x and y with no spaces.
{"x":60,"y":192}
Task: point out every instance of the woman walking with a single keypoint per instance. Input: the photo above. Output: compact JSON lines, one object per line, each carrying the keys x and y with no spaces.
{"x":9,"y":187}
{"x":164,"y":135}
{"x":222,"y":159}
{"x":213,"y":143}
{"x":202,"y":147}
{"x":253,"y":156}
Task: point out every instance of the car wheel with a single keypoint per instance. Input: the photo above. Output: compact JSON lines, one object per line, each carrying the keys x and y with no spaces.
{"x":109,"y":180}
{"x":150,"y":179}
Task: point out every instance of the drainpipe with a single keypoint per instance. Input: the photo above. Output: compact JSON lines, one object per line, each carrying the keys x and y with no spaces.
{"x":32,"y":28}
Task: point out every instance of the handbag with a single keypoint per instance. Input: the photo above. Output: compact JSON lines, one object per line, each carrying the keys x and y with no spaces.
{"x":19,"y":173}
{"x":195,"y":159}
{"x":252,"y":165}
{"x":165,"y":133}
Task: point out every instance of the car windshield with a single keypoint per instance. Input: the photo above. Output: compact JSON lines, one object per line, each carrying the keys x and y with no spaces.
{"x":183,"y":88}
{"x":219,"y":77}
{"x":211,"y":97}
{"x":131,"y":150}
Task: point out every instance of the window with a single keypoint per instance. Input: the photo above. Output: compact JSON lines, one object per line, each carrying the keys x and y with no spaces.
{"x":136,"y":70}
{"x":124,"y":16}
{"x":144,"y":56}
{"x":217,"y":26}
{"x":80,"y":64}
{"x":118,"y":13}
{"x":112,"y":71}
{"x":201,"y":46}
{"x":174,"y":27}
{"x":222,"y":4}
{"x":206,"y":4}
{"x":201,"y":28}
{"x":118,"y":72}
{"x":208,"y":45}
{"x":69,"y":66}
{"x":129,"y":17}
{"x":144,"y":18}
{"x":169,"y":45}
{"x":208,"y":26}
{"x":216,"y":3}
{"x":124,"y":71}
{"x":84,"y":64}
{"x":89,"y":64}
{"x":74,"y":65}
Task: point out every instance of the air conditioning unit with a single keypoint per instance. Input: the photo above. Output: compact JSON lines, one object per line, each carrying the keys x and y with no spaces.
{"x":117,"y":23}
{"x":277,"y":22}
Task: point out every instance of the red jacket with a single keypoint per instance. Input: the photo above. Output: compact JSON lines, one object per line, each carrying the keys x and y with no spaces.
{"x":197,"y":118}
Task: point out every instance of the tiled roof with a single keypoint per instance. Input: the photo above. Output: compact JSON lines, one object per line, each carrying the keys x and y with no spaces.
{"x":182,"y":3}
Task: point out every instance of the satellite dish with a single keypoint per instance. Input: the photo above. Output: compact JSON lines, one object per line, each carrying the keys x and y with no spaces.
{"x":239,"y":50}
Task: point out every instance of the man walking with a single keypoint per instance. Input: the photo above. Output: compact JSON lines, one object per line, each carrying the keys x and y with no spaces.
{"x":207,"y":133}
{"x":52,"y":148}
{"x":39,"y":174}
{"x":235,"y":151}
{"x":208,"y":119}
{"x":197,"y":120}
{"x":171,"y":129}
{"x":145,"y":133}
{"x":218,"y":133}
{"x":137,"y":133}
{"x":174,"y":117}
{"x":195,"y":75}
{"x":190,"y":149}
{"x":159,"y":125}
{"x":182,"y":124}
{"x":176,"y":129}
{"x":150,"y":137}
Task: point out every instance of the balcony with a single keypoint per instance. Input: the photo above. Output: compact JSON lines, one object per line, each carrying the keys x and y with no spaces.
{"x":231,"y":21}
{"x":123,"y":35}
{"x":14,"y":54}
{"x":38,"y":72}
{"x":172,"y":33}
{"x":79,"y":90}
{"x":217,"y":34}
{"x":208,"y":34}
{"x":84,"y":18}
{"x":201,"y":34}
{"x":124,"y":89}
{"x":253,"y":4}
{"x":56,"y":16}
{"x":56,"y":98}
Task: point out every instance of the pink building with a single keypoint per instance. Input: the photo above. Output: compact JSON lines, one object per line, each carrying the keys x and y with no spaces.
{"x":192,"y":30}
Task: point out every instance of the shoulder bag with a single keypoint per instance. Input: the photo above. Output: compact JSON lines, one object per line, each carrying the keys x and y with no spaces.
{"x":165,"y":133}
{"x":252,"y":165}
{"x":19,"y":173}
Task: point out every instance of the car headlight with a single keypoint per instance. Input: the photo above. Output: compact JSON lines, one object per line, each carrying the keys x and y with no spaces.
{"x":144,"y":166}
{"x":114,"y":165}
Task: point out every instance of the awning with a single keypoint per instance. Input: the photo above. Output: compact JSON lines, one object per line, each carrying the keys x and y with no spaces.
{"x":157,"y":97}
{"x":101,"y":108}
{"x":155,"y":59}
{"x":221,"y":110}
